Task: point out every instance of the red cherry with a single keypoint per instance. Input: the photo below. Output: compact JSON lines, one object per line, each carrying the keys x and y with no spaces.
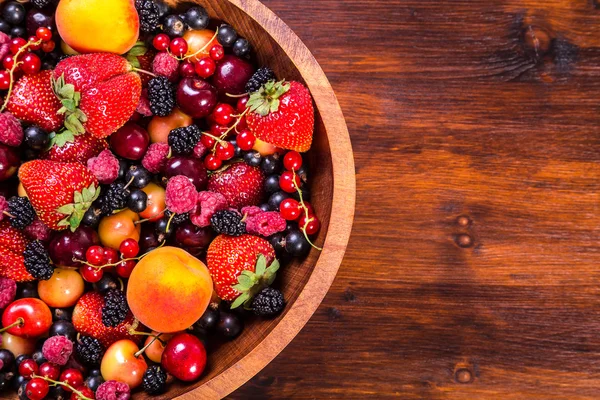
{"x":217,"y":52}
{"x":125,"y":268}
{"x":47,"y":47}
{"x":207,"y":141}
{"x":28,"y":367}
{"x":225,"y":151}
{"x":292,"y":161}
{"x":4,"y":80}
{"x":129,"y":248}
{"x":31,"y":64}
{"x":8,"y":62}
{"x":37,"y":389}
{"x":91,"y":274}
{"x":288,"y":182}
{"x":16,"y":44}
{"x":187,"y":69}
{"x":184,"y":357}
{"x":72,"y":377}
{"x":223,"y":114}
{"x":30,"y":318}
{"x":110,"y":255}
{"x":85,"y":391}
{"x":290,"y":209}
{"x":161,"y":42}
{"x":33,"y":45}
{"x":44,"y":33}
{"x":312,"y":226}
{"x":245,"y":140}
{"x":179,"y":46}
{"x":212,"y":162}
{"x":241,"y":104}
{"x":95,"y":255}
{"x":205,"y":67}
{"x":50,"y":370}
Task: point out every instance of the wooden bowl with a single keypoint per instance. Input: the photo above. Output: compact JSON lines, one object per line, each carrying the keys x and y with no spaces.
{"x":332,"y":185}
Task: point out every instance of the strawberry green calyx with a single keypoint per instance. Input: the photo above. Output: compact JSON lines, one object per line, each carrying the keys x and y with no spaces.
{"x":69,"y":98}
{"x":266,"y":100}
{"x":138,"y":50}
{"x":251,"y":283}
{"x":60,"y":139}
{"x":75,"y":211}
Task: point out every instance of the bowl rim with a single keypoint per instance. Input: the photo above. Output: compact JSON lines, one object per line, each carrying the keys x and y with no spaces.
{"x":342,"y":211}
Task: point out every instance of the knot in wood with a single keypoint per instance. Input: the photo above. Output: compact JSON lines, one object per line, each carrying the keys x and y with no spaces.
{"x":464,"y":240}
{"x":536,"y":40}
{"x":463,"y":220}
{"x":463,"y":375}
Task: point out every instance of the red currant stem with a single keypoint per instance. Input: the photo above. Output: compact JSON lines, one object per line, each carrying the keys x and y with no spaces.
{"x":20,"y":321}
{"x":143,"y":71}
{"x":308,"y":220}
{"x":217,"y":139}
{"x":54,"y":383}
{"x":129,"y":183}
{"x":169,"y":222}
{"x":236,"y":96}
{"x":201,"y":50}
{"x":224,"y":134}
{"x":14,"y":68}
{"x":99,"y":267}
{"x":141,"y":351}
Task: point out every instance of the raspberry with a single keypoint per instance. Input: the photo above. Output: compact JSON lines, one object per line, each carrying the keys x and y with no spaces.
{"x":57,"y":349}
{"x":3,"y":207}
{"x":156,"y":157}
{"x":105,"y":167}
{"x":144,"y":104}
{"x":265,"y":224}
{"x":251,"y":211}
{"x":8,"y":291}
{"x":38,"y":231}
{"x":11,"y":132}
{"x":181,"y":195}
{"x":113,"y":390}
{"x":166,"y":65}
{"x":200,"y":150}
{"x":208,"y":204}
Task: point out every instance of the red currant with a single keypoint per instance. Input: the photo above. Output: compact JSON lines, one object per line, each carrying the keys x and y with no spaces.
{"x":85,"y":391}
{"x":33,"y":45}
{"x":8,"y":62}
{"x":44,"y":33}
{"x":111,"y":256}
{"x":95,"y":255}
{"x":288,"y":182}
{"x":37,"y":389}
{"x":292,"y":161}
{"x":28,"y":367}
{"x":16,"y":44}
{"x":72,"y":377}
{"x":50,"y":370}
{"x":31,"y":64}
{"x":311,"y":225}
{"x":179,"y":46}
{"x":161,"y":42}
{"x":207,"y":141}
{"x":241,"y":125}
{"x":91,"y":274}
{"x":212,"y":162}
{"x":47,"y":47}
{"x":187,"y":69}
{"x":217,"y":130}
{"x":205,"y":68}
{"x":125,"y":268}
{"x":246,"y":139}
{"x":241,"y":104}
{"x":290,"y":209}
{"x":217,"y":52}
{"x":4,"y":80}
{"x":223,"y":114}
{"x":309,"y":207}
{"x":225,"y":151}
{"x":129,"y":248}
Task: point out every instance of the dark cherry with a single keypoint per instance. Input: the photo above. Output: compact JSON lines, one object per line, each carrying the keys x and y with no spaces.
{"x":130,"y":142}
{"x":9,"y":162}
{"x":229,"y":325}
{"x":196,"y":97}
{"x":38,"y":18}
{"x":148,"y":238}
{"x":191,"y":167}
{"x":190,"y":235}
{"x":8,"y":359}
{"x":231,"y":76}
{"x":68,"y":245}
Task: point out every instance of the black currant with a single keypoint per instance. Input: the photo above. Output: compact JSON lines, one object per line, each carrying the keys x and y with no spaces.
{"x":209,"y":319}
{"x":21,"y":358}
{"x":137,"y":201}
{"x":237,"y":152}
{"x":197,"y":18}
{"x":226,"y":35}
{"x":265,"y":207}
{"x":229,"y":325}
{"x":8,"y":359}
{"x":278,"y":242}
{"x":63,"y":328}
{"x":276,"y":199}
{"x":123,"y":167}
{"x":38,"y":357}
{"x":271,"y":164}
{"x":36,"y":137}
{"x":93,"y":381}
{"x":139,"y":176}
{"x":4,"y":26}
{"x":27,"y":290}
{"x":241,"y":47}
{"x":18,"y":31}
{"x":106,"y":283}
{"x":296,"y":244}
{"x":13,"y":13}
{"x":62,"y":314}
{"x":253,"y":158}
{"x":174,"y":26}
{"x":92,"y":217}
{"x":272,"y":184}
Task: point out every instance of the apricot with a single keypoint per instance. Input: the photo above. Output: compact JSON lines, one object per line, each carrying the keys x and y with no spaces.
{"x":160,"y":127}
{"x":94,"y":26}
{"x":156,"y":202}
{"x":63,"y":289}
{"x":118,"y":227}
{"x":198,"y":43}
{"x":169,"y":290}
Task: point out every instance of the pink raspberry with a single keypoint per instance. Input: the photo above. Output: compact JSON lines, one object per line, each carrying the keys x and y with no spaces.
{"x":4,"y":45}
{"x":8,"y":291}
{"x":208,"y":204}
{"x":38,"y":231}
{"x":144,"y":104}
{"x":156,"y":157}
{"x":181,"y":195}
{"x":265,"y":223}
{"x":3,"y":204}
{"x":113,"y":390}
{"x":166,"y":65}
{"x":200,"y":150}
{"x":11,"y":132}
{"x":105,"y":167}
{"x":57,"y":349}
{"x":251,"y":211}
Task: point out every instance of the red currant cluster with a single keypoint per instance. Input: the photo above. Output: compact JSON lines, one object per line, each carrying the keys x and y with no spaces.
{"x":47,"y":374}
{"x":99,"y":259}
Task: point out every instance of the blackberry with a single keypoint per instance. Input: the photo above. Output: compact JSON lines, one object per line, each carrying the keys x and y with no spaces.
{"x":183,"y":140}
{"x":178,"y":218}
{"x":155,"y":380}
{"x":149,"y":15}
{"x":40,"y":3}
{"x":22,"y":211}
{"x":161,"y":94}
{"x":268,"y":302}
{"x":260,"y":77}
{"x":114,"y":198}
{"x":89,"y":350}
{"x":115,"y":308}
{"x":228,"y":223}
{"x":37,"y":261}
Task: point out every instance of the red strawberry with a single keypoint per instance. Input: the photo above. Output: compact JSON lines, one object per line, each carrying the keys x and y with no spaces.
{"x":241,"y":184}
{"x":282,"y":113}
{"x":60,"y":192}
{"x":228,"y":256}
{"x":145,"y":62}
{"x":12,"y":245}
{"x":12,"y":238}
{"x":87,"y":319}
{"x":66,"y":147}
{"x":34,"y":102}
{"x":85,"y":70}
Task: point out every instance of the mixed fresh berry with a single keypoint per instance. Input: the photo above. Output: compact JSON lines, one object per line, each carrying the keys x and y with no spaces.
{"x":152,"y":184}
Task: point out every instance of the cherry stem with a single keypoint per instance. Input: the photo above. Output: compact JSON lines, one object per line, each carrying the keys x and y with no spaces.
{"x":143,"y":71}
{"x":9,"y":215}
{"x":129,"y":183}
{"x":20,"y":322}
{"x":141,"y":221}
{"x":308,"y":220}
{"x":141,"y":351}
{"x":169,"y":222}
{"x":54,"y":383}
{"x":199,"y":51}
{"x":236,"y":96}
{"x":14,"y":68}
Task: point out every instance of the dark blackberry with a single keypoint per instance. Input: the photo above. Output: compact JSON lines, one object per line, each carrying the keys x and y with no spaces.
{"x":37,"y":261}
{"x":22,"y":211}
{"x":115,"y":308}
{"x":40,"y":3}
{"x":228,"y":223}
{"x":161,"y":94}
{"x":113,"y":198}
{"x":89,"y":350}
{"x":149,"y":15}
{"x":155,"y":380}
{"x":260,"y":77}
{"x":268,"y":302}
{"x":178,"y":218}
{"x":183,"y":140}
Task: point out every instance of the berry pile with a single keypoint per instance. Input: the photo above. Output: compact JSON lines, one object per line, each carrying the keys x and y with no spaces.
{"x":152,"y":184}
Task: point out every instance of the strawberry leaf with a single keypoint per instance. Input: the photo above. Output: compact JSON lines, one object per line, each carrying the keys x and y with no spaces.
{"x":267,"y":99}
{"x":66,"y":209}
{"x":242,"y":298}
{"x":261,"y":265}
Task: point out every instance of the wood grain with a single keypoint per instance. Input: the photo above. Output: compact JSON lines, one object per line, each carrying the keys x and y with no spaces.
{"x":472,"y":270}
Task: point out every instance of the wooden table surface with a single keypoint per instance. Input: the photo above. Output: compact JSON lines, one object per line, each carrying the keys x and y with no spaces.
{"x":473,"y":271}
